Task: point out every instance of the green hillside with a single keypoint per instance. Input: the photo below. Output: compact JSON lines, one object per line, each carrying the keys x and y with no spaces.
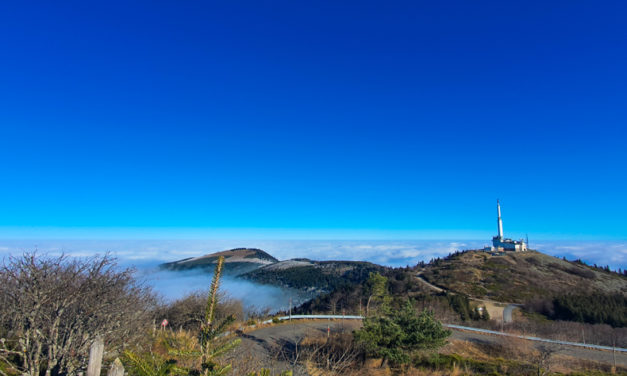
{"x":315,"y":276}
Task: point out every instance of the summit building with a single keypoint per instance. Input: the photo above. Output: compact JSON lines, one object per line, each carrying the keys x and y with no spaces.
{"x":500,"y":243}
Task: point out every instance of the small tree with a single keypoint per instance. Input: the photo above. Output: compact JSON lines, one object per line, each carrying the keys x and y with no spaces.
{"x":377,"y":287}
{"x":212,"y":344}
{"x":395,"y":336}
{"x":485,"y":315}
{"x":543,"y":360}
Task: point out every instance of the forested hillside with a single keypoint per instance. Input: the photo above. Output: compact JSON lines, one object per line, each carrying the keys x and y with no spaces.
{"x":318,"y":276}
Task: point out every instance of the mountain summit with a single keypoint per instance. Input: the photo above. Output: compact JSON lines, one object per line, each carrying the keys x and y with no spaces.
{"x":519,"y":276}
{"x":236,"y":261}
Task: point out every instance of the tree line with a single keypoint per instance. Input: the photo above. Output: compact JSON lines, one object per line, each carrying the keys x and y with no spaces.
{"x":595,"y":308}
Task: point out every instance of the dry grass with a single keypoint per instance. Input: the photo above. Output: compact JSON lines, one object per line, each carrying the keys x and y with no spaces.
{"x":509,"y":348}
{"x":522,"y":351}
{"x":245,"y":360}
{"x":512,"y":356}
{"x":335,"y":355}
{"x":518,"y":277}
{"x":456,"y":371}
{"x":568,"y":364}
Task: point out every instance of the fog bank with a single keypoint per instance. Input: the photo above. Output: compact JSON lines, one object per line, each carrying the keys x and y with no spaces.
{"x":145,"y":255}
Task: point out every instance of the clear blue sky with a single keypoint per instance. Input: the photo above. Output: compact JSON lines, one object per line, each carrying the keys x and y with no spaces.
{"x":324,"y":117}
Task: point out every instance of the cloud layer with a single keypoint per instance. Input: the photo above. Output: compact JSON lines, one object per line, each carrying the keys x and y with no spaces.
{"x":385,"y":252}
{"x":145,"y":255}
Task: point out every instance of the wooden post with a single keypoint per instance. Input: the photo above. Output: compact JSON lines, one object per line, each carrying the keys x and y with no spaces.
{"x":614,"y":355}
{"x":343,"y":314}
{"x":583,"y":336}
{"x":117,"y":369}
{"x":95,"y":357}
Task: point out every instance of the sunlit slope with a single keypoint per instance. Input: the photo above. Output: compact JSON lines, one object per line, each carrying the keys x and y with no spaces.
{"x":519,"y":276}
{"x":236,"y":261}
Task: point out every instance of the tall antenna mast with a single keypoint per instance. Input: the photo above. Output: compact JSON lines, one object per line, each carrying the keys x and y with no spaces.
{"x":499,"y":220}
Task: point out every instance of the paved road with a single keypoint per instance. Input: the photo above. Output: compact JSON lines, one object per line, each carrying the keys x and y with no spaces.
{"x":507,"y":313}
{"x":266,"y":341}
{"x":275,"y":347}
{"x":464,"y":328}
{"x":603,"y":356}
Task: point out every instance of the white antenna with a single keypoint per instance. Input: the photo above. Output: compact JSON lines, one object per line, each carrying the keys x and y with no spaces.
{"x":499,"y":220}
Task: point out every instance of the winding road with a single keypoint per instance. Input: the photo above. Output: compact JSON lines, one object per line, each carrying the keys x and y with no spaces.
{"x":267,"y":342}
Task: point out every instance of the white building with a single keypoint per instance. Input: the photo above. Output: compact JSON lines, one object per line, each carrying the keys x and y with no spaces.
{"x":499,"y":243}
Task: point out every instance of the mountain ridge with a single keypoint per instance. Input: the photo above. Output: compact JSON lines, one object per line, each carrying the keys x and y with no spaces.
{"x":512,"y":277}
{"x":308,"y":276}
{"x":236,"y":261}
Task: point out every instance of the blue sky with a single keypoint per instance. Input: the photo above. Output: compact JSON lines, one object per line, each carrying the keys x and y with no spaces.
{"x":328,"y":119}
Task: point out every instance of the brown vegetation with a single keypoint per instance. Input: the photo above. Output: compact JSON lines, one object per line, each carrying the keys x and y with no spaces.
{"x":519,"y":276}
{"x":188,"y":312}
{"x":334,"y":355}
{"x":53,"y":308}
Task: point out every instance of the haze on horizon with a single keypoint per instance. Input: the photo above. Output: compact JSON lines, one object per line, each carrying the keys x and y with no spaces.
{"x":145,"y":256}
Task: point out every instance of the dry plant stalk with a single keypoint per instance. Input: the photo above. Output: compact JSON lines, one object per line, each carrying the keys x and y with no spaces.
{"x":207,"y":329}
{"x":213,"y":293}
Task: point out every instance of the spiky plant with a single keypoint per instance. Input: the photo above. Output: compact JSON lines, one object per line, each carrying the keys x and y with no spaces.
{"x":213,"y":344}
{"x":210,"y":311}
{"x":210,"y":345}
{"x":151,"y":364}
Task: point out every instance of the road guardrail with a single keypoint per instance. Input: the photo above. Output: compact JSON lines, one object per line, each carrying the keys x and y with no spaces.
{"x":459,"y":327}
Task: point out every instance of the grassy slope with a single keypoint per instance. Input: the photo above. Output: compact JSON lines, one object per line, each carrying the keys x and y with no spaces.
{"x":518,"y":277}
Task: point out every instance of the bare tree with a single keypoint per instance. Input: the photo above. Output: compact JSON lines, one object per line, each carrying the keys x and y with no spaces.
{"x":52,"y":309}
{"x":337,"y":355}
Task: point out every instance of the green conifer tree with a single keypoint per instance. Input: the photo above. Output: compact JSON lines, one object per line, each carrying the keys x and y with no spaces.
{"x":396,"y":336}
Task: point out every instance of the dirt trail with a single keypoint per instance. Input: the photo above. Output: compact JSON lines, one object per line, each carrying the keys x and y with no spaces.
{"x":497,"y":310}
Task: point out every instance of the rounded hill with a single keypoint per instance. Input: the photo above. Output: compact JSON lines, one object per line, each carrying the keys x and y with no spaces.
{"x":237,"y":260}
{"x":519,"y":276}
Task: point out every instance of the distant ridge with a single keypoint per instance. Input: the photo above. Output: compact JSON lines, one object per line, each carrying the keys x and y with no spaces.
{"x":237,"y":261}
{"x":307,"y":276}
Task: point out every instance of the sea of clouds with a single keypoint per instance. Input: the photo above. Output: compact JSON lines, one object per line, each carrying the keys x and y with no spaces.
{"x":146,"y":255}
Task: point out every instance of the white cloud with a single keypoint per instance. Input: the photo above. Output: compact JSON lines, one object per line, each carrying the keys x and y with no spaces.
{"x":392,"y":253}
{"x":146,"y":254}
